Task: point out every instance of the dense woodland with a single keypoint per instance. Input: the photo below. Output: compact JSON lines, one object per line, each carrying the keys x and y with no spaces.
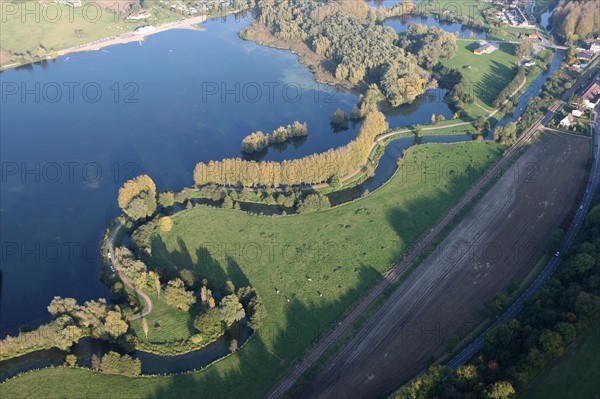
{"x":316,"y":168}
{"x":348,"y":34}
{"x":577,"y":20}
{"x":516,"y":351}
{"x":429,"y":44}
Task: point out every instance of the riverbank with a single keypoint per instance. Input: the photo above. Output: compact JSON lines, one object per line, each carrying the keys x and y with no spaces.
{"x":318,"y":65}
{"x":126,"y":36}
{"x":298,"y":293}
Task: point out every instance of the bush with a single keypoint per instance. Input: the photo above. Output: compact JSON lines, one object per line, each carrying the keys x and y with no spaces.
{"x":233,"y":345}
{"x":166,"y":224}
{"x":313,"y":203}
{"x":71,"y":360}
{"x":339,"y":120}
{"x":113,"y":363}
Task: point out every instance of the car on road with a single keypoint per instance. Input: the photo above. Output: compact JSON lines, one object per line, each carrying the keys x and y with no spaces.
{"x":557,"y":254}
{"x":108,"y":254}
{"x":580,"y":206}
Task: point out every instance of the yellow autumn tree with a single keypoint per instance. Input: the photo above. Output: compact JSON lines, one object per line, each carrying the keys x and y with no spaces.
{"x":137,"y":197}
{"x":145,"y":327}
{"x":316,"y":168}
{"x":166,"y":223}
{"x":153,"y":275}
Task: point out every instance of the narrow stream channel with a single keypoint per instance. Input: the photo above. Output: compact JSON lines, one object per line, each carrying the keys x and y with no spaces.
{"x":155,"y":364}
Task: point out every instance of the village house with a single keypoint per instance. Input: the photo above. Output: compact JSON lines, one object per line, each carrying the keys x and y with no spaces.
{"x":586,"y":56}
{"x":591,"y":97}
{"x":567,"y":121}
{"x":595,"y":46}
{"x":485,"y":48}
{"x":144,"y":29}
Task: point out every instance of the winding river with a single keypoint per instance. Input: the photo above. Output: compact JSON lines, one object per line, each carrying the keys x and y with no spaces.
{"x":79,"y":126}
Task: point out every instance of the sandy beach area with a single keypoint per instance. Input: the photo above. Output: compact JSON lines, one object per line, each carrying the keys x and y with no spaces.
{"x":188,"y":23}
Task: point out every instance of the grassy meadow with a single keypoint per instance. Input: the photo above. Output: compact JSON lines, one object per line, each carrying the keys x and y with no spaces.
{"x":30,"y":25}
{"x":488,"y":74}
{"x":308,"y":268}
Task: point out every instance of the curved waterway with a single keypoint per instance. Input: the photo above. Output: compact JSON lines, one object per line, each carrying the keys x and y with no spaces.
{"x":401,"y":24}
{"x":151,"y":364}
{"x":394,"y":150}
{"x":179,"y":97}
{"x":74,"y":129}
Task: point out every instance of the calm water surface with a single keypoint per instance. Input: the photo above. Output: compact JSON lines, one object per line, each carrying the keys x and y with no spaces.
{"x":73,"y":130}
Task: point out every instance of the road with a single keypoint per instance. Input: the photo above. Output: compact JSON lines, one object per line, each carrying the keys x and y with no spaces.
{"x":345,"y":326}
{"x":381,"y":139}
{"x":396,"y":271}
{"x":476,"y":345}
{"x":129,"y":284}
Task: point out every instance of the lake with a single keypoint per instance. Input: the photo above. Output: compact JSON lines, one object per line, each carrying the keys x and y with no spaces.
{"x":401,"y":24}
{"x":63,"y":161}
{"x":74,"y":129}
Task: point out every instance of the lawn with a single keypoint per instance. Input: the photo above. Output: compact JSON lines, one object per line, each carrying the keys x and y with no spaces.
{"x":308,"y":268}
{"x":510,"y":33}
{"x":175,"y":325}
{"x":576,"y":375}
{"x":487,"y":74}
{"x":27,"y":26}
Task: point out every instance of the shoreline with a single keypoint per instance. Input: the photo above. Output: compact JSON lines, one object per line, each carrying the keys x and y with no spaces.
{"x":125,"y":38}
{"x":130,"y":37}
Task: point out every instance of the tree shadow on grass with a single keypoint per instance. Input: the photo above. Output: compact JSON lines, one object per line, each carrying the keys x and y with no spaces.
{"x":473,"y":46}
{"x":494,"y":81}
{"x":252,"y":371}
{"x":235,"y":273}
{"x":171,"y":262}
{"x":270,"y":353}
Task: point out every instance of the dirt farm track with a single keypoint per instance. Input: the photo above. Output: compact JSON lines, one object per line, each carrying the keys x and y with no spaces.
{"x":498,"y":242}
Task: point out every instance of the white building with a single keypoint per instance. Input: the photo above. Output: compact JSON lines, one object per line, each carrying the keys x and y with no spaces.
{"x":144,"y":29}
{"x":568,"y":121}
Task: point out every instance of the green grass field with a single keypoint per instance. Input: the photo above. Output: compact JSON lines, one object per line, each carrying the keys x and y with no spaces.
{"x":576,"y":375}
{"x":510,"y":34}
{"x":175,"y":325}
{"x":487,"y":74}
{"x":343,"y":251}
{"x":52,"y":26}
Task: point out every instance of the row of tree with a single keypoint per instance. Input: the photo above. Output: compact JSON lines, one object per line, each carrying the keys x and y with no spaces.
{"x":259,"y":141}
{"x":510,"y":88}
{"x":516,"y":351}
{"x":315,"y":168}
{"x":72,"y":322}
